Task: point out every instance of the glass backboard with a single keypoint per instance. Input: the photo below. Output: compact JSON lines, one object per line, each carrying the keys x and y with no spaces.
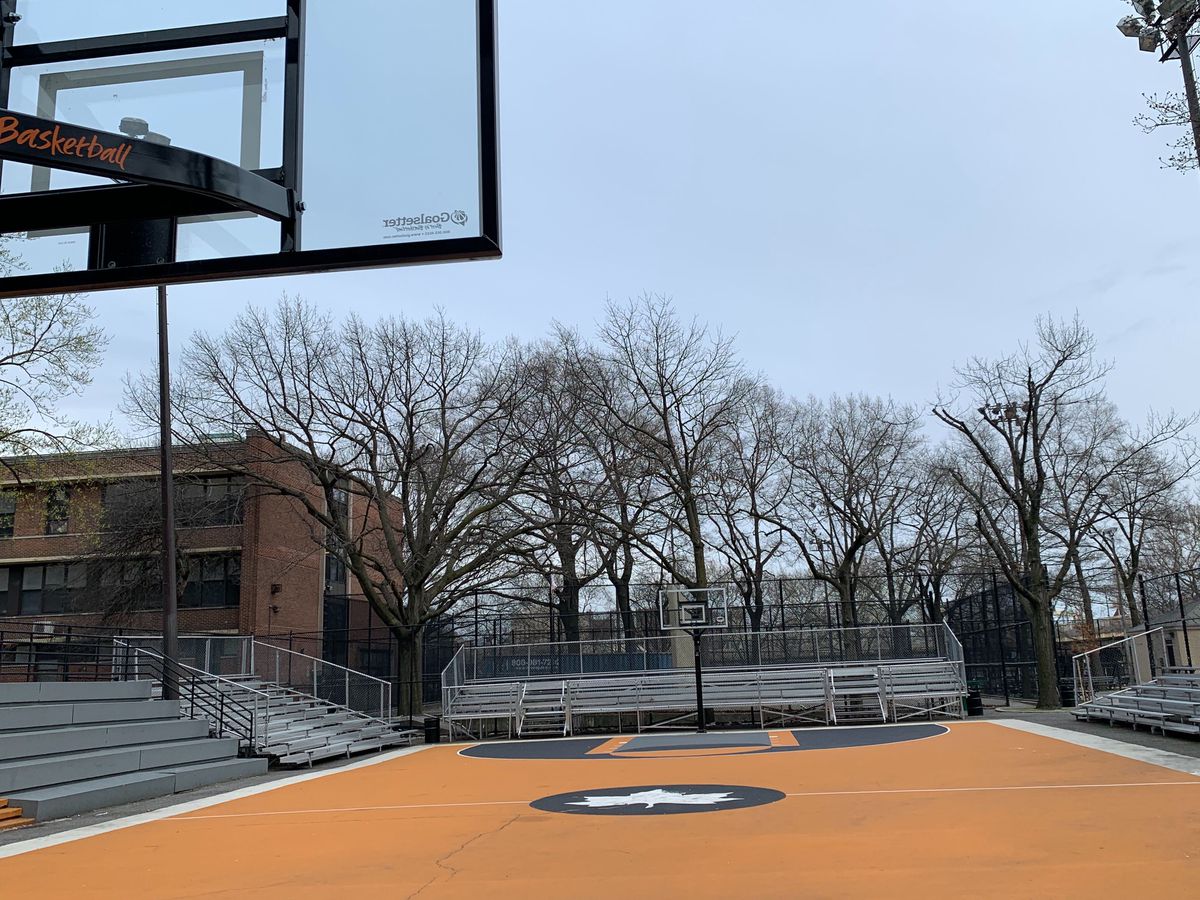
{"x":380,"y":114}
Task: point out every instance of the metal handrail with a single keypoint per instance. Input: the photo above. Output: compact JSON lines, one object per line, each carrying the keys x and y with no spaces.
{"x":447,"y":697}
{"x":1081,"y":668}
{"x":221,"y":710}
{"x":385,"y":687}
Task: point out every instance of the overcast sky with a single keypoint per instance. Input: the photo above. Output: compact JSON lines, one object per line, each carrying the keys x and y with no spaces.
{"x":864,"y":200}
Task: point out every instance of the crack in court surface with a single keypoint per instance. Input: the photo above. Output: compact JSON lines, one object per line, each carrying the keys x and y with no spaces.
{"x":441,"y":861}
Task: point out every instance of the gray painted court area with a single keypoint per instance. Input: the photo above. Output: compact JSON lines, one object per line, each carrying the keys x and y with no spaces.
{"x":648,"y":743}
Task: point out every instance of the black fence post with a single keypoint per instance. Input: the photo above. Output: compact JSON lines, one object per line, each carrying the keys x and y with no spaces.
{"x":1146,"y":625}
{"x":1187,"y":643}
{"x":1000,"y":635}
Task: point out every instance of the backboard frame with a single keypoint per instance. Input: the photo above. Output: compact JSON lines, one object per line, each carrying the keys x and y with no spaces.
{"x":676,"y":601}
{"x":85,"y":206}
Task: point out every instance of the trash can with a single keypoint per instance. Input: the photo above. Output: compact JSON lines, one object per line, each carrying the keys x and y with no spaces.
{"x":974,"y":703}
{"x":433,"y":730}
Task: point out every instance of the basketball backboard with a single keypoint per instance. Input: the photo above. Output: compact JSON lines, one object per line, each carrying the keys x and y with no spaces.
{"x":691,"y":609}
{"x":364,"y":129}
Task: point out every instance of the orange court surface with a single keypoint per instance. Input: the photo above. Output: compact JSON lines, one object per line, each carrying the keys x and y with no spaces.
{"x":967,"y":809}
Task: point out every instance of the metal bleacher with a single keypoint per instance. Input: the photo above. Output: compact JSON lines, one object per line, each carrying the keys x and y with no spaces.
{"x":1134,"y":681}
{"x":1170,"y":702}
{"x":816,"y":676}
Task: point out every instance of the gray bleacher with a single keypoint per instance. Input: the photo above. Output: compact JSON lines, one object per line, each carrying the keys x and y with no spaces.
{"x":1170,"y":702}
{"x":70,"y":747}
{"x":826,"y":694}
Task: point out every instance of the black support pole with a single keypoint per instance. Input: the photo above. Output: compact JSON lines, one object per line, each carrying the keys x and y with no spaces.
{"x":1000,"y":636}
{"x":700,"y":718}
{"x":1187,"y":641}
{"x":1146,"y":624}
{"x":167,"y":484}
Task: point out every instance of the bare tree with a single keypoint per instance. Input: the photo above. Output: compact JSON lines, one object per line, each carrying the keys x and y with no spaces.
{"x":1144,"y":499}
{"x":417,"y":424}
{"x":567,"y":487}
{"x":626,"y":519}
{"x":1049,"y":443}
{"x":852,"y":460}
{"x":752,"y":479}
{"x":678,"y":389}
{"x":942,"y":530}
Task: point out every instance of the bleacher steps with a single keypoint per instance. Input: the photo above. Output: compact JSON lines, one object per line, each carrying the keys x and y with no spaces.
{"x":60,"y":800}
{"x":67,"y":748}
{"x":856,"y":696}
{"x":45,"y":741}
{"x":215,"y":771}
{"x":13,"y":694}
{"x":1170,"y":702}
{"x":12,"y":816}
{"x":298,"y":729}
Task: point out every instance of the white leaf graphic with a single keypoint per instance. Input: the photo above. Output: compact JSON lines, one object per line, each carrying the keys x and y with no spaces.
{"x":650,"y":799}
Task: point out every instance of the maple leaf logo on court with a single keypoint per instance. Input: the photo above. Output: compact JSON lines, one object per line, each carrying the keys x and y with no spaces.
{"x":656,"y":797}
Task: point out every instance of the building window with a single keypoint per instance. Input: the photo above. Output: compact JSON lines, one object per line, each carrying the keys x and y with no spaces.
{"x":199,"y":501}
{"x":375,"y":661}
{"x":133,"y":500}
{"x":58,"y":509}
{"x":339,"y":505}
{"x":208,"y":501}
{"x":8,"y":513}
{"x":52,"y":588}
{"x":335,"y":574}
{"x":213,"y":581}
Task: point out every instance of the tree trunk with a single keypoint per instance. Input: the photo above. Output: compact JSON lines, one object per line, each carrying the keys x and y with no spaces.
{"x":755,"y":607}
{"x":408,"y":696}
{"x":696,"y":535}
{"x":1125,"y":588}
{"x":568,"y":609}
{"x":1042,"y":621}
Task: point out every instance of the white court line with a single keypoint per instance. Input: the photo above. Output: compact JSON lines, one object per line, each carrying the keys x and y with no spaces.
{"x":78,"y":834}
{"x":987,"y":788}
{"x":1165,"y":759}
{"x":337,"y":810}
{"x":351,"y":809}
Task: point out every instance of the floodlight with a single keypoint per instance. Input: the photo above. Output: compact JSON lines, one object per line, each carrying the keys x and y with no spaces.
{"x":1149,"y":39}
{"x":1145,"y":8}
{"x":1130,"y":26}
{"x":1169,"y":8}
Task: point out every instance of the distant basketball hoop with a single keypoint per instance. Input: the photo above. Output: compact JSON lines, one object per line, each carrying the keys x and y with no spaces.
{"x":694,"y":610}
{"x":689,"y":609}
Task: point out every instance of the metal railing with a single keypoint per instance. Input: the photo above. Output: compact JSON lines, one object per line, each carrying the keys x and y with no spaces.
{"x":201,"y":696}
{"x":211,"y":654}
{"x":325,"y":680}
{"x":454,"y":676}
{"x":1132,"y":660}
{"x":44,"y":651}
{"x":814,"y":646}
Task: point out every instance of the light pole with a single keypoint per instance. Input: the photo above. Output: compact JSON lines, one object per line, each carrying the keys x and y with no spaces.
{"x":1165,"y":28}
{"x":1010,"y":416}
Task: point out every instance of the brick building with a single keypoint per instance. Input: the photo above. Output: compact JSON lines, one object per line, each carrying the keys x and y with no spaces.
{"x":256,"y":560}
